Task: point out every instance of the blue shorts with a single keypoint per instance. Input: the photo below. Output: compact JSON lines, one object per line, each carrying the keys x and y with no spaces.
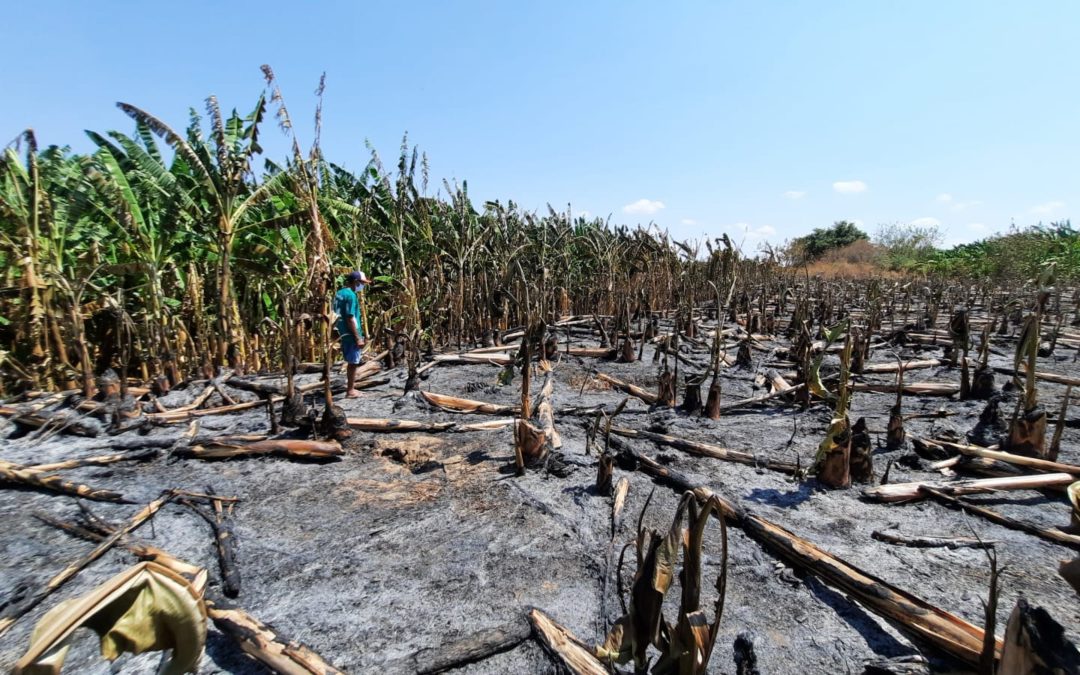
{"x":350,"y":350}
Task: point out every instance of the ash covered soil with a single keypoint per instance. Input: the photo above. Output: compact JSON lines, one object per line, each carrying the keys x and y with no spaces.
{"x":414,"y":540}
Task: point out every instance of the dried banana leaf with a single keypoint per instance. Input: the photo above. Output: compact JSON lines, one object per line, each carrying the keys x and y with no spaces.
{"x":145,"y":608}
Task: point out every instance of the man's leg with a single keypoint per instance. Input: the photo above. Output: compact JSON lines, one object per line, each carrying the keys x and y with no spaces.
{"x":351,"y":351}
{"x":350,"y":378}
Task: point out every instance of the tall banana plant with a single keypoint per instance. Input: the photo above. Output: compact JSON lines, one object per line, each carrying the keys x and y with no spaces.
{"x":152,"y":215}
{"x":40,"y":209}
{"x":220,"y":165}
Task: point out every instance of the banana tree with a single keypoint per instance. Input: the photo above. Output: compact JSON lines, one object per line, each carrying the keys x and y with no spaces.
{"x":42,"y":233}
{"x":220,"y":166}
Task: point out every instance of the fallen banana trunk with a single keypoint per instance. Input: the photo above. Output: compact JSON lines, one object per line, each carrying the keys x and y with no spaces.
{"x":571,"y":652}
{"x":267,"y":646}
{"x":930,"y":542}
{"x":462,"y":359}
{"x":390,"y":426}
{"x":67,"y":420}
{"x":178,"y":415}
{"x":754,"y":400}
{"x":1048,"y":533}
{"x":914,"y":388}
{"x":16,"y":474}
{"x":397,"y":426}
{"x":915,"y":364}
{"x":224,"y":543}
{"x":627,"y":388}
{"x":1019,"y":460}
{"x":779,"y":384}
{"x":14,"y":611}
{"x":466,"y":406}
{"x":593,"y":352}
{"x":1041,"y":375}
{"x":292,"y":448}
{"x":100,"y":460}
{"x":707,"y":450}
{"x":914,"y":616}
{"x":908,"y":492}
{"x":337,"y":385}
{"x":471,"y":649}
{"x":366,"y":370}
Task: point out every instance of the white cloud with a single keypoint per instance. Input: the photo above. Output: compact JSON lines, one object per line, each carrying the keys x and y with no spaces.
{"x":960,"y":206}
{"x":944,"y":198}
{"x":848,"y":187}
{"x":752,"y":233}
{"x":688,"y":221}
{"x":925,"y":221}
{"x":1047,"y":208}
{"x":794,"y":194}
{"x":977,"y":227}
{"x":643,"y":207}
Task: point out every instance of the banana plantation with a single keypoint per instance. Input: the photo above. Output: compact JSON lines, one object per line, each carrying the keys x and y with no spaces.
{"x":574,"y":446}
{"x":171,"y":250}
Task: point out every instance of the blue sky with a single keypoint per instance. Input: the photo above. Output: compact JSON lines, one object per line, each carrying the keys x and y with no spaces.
{"x":761,"y":119}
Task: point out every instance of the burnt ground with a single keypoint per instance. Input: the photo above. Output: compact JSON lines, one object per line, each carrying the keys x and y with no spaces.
{"x":411,"y":541}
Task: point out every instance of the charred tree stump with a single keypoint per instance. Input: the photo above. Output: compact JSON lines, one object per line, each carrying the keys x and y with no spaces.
{"x":534,"y":440}
{"x":861,"y":460}
{"x":665,"y":396}
{"x":1035,"y":643}
{"x":604,"y":469}
{"x":334,"y":424}
{"x":1027,"y":435}
{"x":982,"y":387}
{"x":692,"y":399}
{"x":293,"y":411}
{"x":834,"y":462}
{"x":712,"y":406}
{"x":743,"y":359}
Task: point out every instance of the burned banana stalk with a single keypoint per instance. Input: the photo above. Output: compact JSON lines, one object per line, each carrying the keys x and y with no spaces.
{"x":267,"y":645}
{"x":15,"y":474}
{"x":894,"y":436}
{"x":926,"y":623}
{"x":1027,"y":432}
{"x":224,"y":543}
{"x":535,"y":439}
{"x":291,"y":448}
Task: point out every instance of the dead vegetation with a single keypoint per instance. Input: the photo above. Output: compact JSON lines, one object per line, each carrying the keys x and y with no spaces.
{"x":828,"y":361}
{"x":598,"y":360}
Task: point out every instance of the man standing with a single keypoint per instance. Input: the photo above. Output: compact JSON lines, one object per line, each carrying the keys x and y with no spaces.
{"x":347,"y":307}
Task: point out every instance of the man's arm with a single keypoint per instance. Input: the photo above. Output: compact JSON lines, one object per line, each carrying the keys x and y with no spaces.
{"x":354,"y":329}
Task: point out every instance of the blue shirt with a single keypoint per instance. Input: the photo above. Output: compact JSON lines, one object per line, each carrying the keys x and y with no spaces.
{"x":347,"y":306}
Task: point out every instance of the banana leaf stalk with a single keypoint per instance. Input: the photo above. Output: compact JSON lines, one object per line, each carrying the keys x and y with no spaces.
{"x":17,"y":610}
